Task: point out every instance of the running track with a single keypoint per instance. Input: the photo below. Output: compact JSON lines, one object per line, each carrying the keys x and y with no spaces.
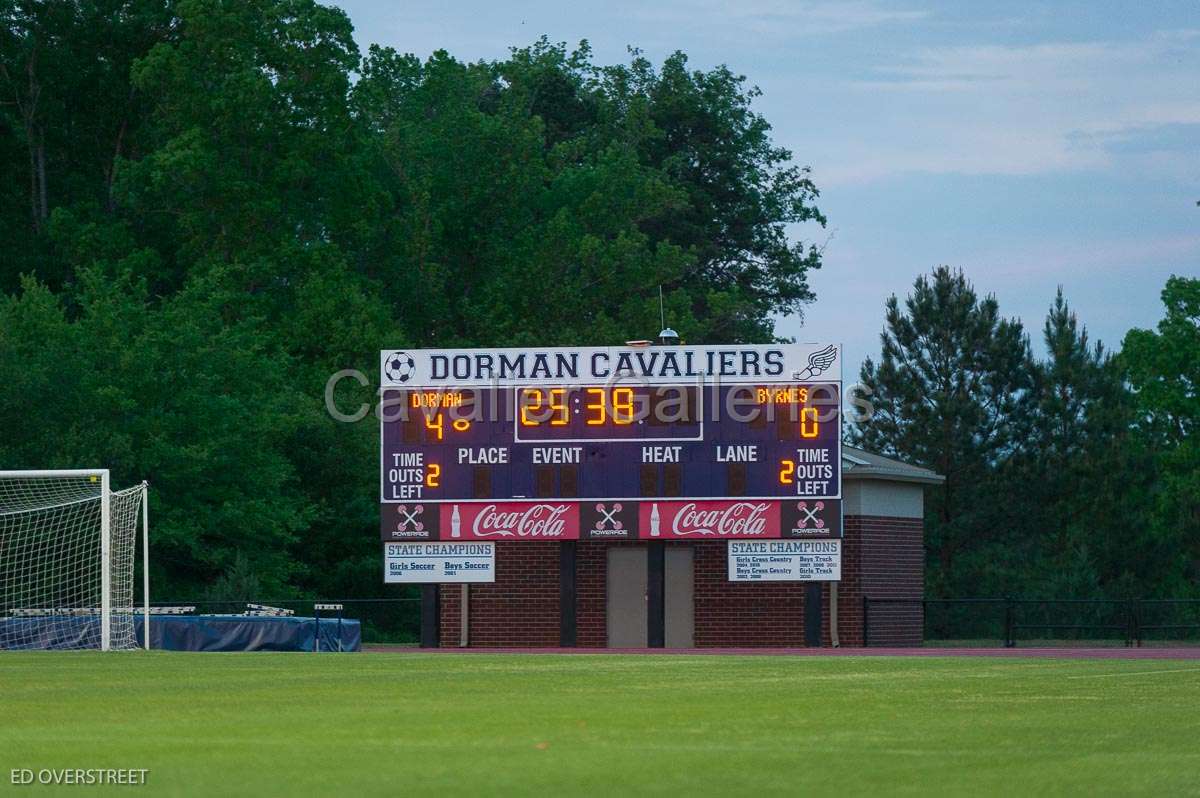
{"x":1044,"y":653}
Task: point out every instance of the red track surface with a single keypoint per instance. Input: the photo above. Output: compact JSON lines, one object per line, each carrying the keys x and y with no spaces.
{"x":1048,"y":653}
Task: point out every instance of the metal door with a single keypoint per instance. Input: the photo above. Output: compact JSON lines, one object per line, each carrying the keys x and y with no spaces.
{"x":678,"y":597}
{"x":626,"y":597}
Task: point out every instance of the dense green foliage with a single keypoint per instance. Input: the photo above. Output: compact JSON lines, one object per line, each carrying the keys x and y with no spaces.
{"x":1075,"y":476}
{"x":266,"y":724}
{"x":209,"y":206}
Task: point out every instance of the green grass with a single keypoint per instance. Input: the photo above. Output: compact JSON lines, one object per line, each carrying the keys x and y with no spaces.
{"x":414,"y":724}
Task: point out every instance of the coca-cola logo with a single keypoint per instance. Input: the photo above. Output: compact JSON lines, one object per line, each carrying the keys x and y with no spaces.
{"x":534,"y":521}
{"x":740,"y":518}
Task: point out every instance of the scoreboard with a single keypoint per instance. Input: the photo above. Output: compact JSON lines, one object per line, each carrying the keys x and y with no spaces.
{"x":616,"y":443}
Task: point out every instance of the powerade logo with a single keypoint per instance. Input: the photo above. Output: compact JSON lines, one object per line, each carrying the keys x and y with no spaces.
{"x":608,"y":520}
{"x":409,"y":521}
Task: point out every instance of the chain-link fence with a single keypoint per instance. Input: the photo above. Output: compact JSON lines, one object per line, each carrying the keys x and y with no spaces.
{"x":1034,"y":622}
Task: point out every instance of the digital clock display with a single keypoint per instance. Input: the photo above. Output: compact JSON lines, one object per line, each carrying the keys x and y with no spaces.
{"x":535,"y":426}
{"x":597,"y":412}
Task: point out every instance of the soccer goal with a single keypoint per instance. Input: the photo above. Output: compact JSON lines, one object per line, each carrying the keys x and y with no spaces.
{"x":67,"y":549}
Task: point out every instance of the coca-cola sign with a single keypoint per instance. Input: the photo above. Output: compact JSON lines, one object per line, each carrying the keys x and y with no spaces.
{"x":625,"y":520}
{"x":677,"y":520}
{"x":511,"y":521}
{"x":701,"y":520}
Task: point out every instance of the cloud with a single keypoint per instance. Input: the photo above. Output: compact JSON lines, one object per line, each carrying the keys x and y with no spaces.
{"x":775,"y":18}
{"x":1144,"y":139}
{"x":1020,"y":110}
{"x":1073,"y":258}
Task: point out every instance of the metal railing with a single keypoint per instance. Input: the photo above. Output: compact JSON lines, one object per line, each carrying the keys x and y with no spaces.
{"x":383,"y":621}
{"x":1019,"y":621}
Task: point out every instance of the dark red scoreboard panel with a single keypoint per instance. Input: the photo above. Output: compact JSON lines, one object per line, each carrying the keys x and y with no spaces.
{"x":748,"y":447}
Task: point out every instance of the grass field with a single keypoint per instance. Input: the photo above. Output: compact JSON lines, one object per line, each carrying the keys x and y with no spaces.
{"x":412,"y":724}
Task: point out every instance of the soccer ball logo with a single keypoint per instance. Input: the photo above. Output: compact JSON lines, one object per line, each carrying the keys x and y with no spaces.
{"x":399,"y":367}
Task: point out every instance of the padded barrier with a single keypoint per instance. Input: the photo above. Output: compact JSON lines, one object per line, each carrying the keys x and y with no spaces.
{"x":189,"y":633}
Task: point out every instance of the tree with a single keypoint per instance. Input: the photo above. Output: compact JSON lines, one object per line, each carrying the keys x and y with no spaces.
{"x":1163,"y":368}
{"x":946,"y":395}
{"x":68,"y":115}
{"x":544,"y":195}
{"x":742,"y":191}
{"x":212,"y":215}
{"x":200,"y":407}
{"x":1078,"y":469}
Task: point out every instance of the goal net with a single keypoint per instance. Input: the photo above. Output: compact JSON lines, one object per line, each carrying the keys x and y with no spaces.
{"x":67,"y":548}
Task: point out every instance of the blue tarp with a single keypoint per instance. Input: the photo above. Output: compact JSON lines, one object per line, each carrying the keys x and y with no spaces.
{"x":49,"y":632}
{"x":188,"y":633}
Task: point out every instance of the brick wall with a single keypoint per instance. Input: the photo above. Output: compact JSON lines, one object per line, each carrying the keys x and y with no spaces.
{"x":894,"y":567}
{"x":591,"y":593}
{"x":743,"y":613}
{"x":850,"y":588}
{"x":881,"y":557}
{"x":519,"y":609}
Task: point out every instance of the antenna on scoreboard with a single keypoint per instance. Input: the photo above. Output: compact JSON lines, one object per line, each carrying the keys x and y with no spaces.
{"x":666,"y":336}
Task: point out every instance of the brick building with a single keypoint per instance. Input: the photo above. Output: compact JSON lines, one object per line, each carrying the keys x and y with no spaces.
{"x":597,"y":594}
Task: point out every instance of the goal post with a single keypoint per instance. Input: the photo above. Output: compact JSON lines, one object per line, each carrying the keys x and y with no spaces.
{"x":68,"y":543}
{"x":105,"y":563}
{"x":146,"y":563}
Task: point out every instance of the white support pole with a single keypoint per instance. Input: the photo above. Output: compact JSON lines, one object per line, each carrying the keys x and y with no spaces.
{"x":464,"y":616}
{"x":146,"y":561}
{"x":834,"y":640}
{"x":105,"y":562}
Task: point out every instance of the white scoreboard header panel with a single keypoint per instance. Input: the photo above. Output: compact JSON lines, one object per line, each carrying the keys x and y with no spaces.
{"x":655,"y":365}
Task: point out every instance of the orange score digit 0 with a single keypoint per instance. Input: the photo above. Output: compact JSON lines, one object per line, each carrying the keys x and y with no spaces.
{"x":810,"y":427}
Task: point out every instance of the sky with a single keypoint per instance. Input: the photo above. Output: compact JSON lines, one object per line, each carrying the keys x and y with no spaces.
{"x":1033,"y":145}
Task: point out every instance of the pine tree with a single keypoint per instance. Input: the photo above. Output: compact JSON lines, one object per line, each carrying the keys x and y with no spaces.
{"x":946,"y":395}
{"x":1065,"y":458}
